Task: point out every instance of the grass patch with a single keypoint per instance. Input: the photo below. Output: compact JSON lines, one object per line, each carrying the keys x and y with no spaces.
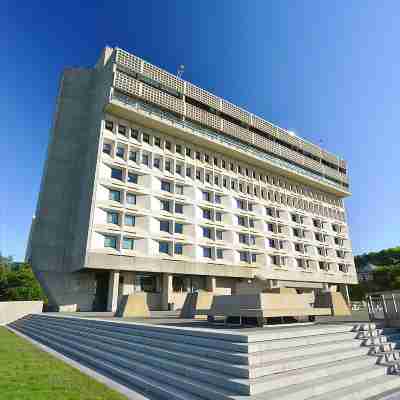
{"x":28,"y":373}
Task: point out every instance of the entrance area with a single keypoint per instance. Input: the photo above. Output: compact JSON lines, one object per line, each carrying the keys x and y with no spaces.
{"x":101,"y":291}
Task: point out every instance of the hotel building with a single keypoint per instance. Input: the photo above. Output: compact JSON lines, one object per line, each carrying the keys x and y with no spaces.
{"x":155,"y":185}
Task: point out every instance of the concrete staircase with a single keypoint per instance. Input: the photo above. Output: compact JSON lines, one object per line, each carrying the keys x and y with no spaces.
{"x":336,"y":361}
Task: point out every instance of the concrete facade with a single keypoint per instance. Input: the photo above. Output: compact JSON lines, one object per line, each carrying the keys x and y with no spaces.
{"x":144,"y":190}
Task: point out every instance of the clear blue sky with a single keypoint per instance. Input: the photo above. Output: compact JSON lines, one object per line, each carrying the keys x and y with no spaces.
{"x":327,"y":70}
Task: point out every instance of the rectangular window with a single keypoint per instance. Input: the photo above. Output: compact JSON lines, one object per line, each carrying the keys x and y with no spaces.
{"x":110,"y":241}
{"x":188,"y":152}
{"x":115,"y":195}
{"x":132,"y":178}
{"x":146,"y":138}
{"x":157,"y":163}
{"x":208,"y":178}
{"x":218,"y":199}
{"x":220,"y":254}
{"x":178,"y":228}
{"x":134,"y":133}
{"x":133,"y":156}
{"x":122,"y":130}
{"x":166,"y":186}
{"x":168,"y":145}
{"x":165,"y":205}
{"x":120,"y":152}
{"x":164,"y":226}
{"x":128,"y":243}
{"x":198,"y":155}
{"x":251,"y":223}
{"x":131,"y":198}
{"x":178,"y":148}
{"x":178,"y":169}
{"x":254,"y":258}
{"x":252,"y":240}
{"x":198,"y":174}
{"x":188,"y":172}
{"x":207,"y":252}
{"x":206,"y":196}
{"x":215,"y":161}
{"x":218,"y":234}
{"x":113,"y":218}
{"x":242,"y":238}
{"x":179,"y":189}
{"x":207,"y":214}
{"x":109,"y":125}
{"x":116,"y":173}
{"x":145,"y":159}
{"x":207,"y":232}
{"x":157,"y":141}
{"x":178,"y":248}
{"x":206,"y":158}
{"x":218,"y":216}
{"x":241,"y":221}
{"x":107,"y":148}
{"x":168,"y":165}
{"x":244,"y":256}
{"x":179,"y":208}
{"x":163,"y":247}
{"x":130,"y":220}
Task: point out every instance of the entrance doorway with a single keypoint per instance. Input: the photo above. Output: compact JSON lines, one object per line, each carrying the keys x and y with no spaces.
{"x":101,"y":294}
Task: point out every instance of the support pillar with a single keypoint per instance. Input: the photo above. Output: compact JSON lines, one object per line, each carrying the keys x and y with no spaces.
{"x":211,"y":284}
{"x":344,"y":289}
{"x":112,"y":301}
{"x":166,"y":290}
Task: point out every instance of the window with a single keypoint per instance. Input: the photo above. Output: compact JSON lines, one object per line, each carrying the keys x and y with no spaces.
{"x":120,"y":152}
{"x":179,"y":208}
{"x":157,"y":163}
{"x":207,"y":214}
{"x":110,"y":241}
{"x":114,"y":195}
{"x":335,"y":228}
{"x":168,"y":145}
{"x":178,"y":227}
{"x":250,"y":206}
{"x":178,"y":249}
{"x":218,"y":234}
{"x":116,"y":173}
{"x":134,"y":133}
{"x":271,"y":227}
{"x":298,"y":247}
{"x":206,"y":158}
{"x":146,"y":138}
{"x":243,"y":238}
{"x":223,"y":163}
{"x":164,"y":226}
{"x":163,"y":247}
{"x":133,"y":156}
{"x":343,"y":268}
{"x":179,"y":189}
{"x":208,"y":178}
{"x":241,"y":204}
{"x":131,"y":198}
{"x":145,"y":159}
{"x":218,"y":216}
{"x":225,"y":183}
{"x":207,"y":252}
{"x":188,"y":152}
{"x":168,"y":165}
{"x":130,"y":220}
{"x":220,"y":253}
{"x":207,"y":196}
{"x":107,"y":148}
{"x":252,"y":240}
{"x":109,"y":125}
{"x":244,"y":256}
{"x":166,"y":186}
{"x":178,"y":169}
{"x":122,"y":130}
{"x":217,"y":199}
{"x":188,"y":172}
{"x":251,"y":223}
{"x":207,"y":232}
{"x":157,"y":141}
{"x":132,"y":178}
{"x":178,"y":148}
{"x":254,"y":258}
{"x":113,"y":218}
{"x":165,"y":205}
{"x":198,"y":155}
{"x":241,"y":221}
{"x":128,"y":243}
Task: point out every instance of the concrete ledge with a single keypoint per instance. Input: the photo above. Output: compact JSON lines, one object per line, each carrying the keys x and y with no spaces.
{"x":10,"y":311}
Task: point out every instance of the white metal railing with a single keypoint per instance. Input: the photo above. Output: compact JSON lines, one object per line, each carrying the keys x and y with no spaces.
{"x":384,"y":306}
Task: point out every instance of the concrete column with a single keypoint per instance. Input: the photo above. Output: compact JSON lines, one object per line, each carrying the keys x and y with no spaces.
{"x":211,"y":283}
{"x":344,"y":289}
{"x":166,"y":290}
{"x":112,"y":301}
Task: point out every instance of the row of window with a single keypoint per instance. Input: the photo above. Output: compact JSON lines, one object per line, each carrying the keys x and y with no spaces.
{"x":230,"y":165}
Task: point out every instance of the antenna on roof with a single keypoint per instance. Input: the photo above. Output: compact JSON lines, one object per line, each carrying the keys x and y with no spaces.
{"x":181,"y":70}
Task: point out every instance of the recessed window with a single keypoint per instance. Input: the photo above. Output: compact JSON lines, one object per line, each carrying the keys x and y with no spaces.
{"x":220,"y":253}
{"x":251,"y":223}
{"x":109,"y":125}
{"x":218,"y":198}
{"x":146,"y":138}
{"x":113,"y":218}
{"x":168,"y":165}
{"x":115,"y":195}
{"x":179,"y":189}
{"x":110,"y":241}
{"x":157,"y":163}
{"x":164,"y":226}
{"x":120,"y":152}
{"x":198,"y":155}
{"x":215,"y":161}
{"x":132,"y":178}
{"x":243,"y":238}
{"x":131,"y":198}
{"x":188,"y":172}
{"x":218,"y":216}
{"x":134,"y":134}
{"x":133,"y":156}
{"x":157,"y":141}
{"x":241,"y":220}
{"x":107,"y":148}
{"x":179,"y":208}
{"x":178,"y":148}
{"x":128,"y":243}
{"x":168,"y":145}
{"x":207,"y":252}
{"x":163,"y":247}
{"x":207,"y":214}
{"x":254,"y":258}
{"x":206,"y":232}
{"x":206,"y":196}
{"x":244,"y":256}
{"x":208,"y":178}
{"x":206,"y":158}
{"x":223,"y":163}
{"x":218,"y":234}
{"x":166,"y":186}
{"x":216,"y":180}
{"x":116,"y":173}
{"x":165,"y":205}
{"x":178,"y":169}
{"x":178,"y":248}
{"x":178,"y":228}
{"x":252,"y":240}
{"x":188,"y":152}
{"x":122,"y":130}
{"x":145,"y":159}
{"x":130,"y":220}
{"x":198,"y":174}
